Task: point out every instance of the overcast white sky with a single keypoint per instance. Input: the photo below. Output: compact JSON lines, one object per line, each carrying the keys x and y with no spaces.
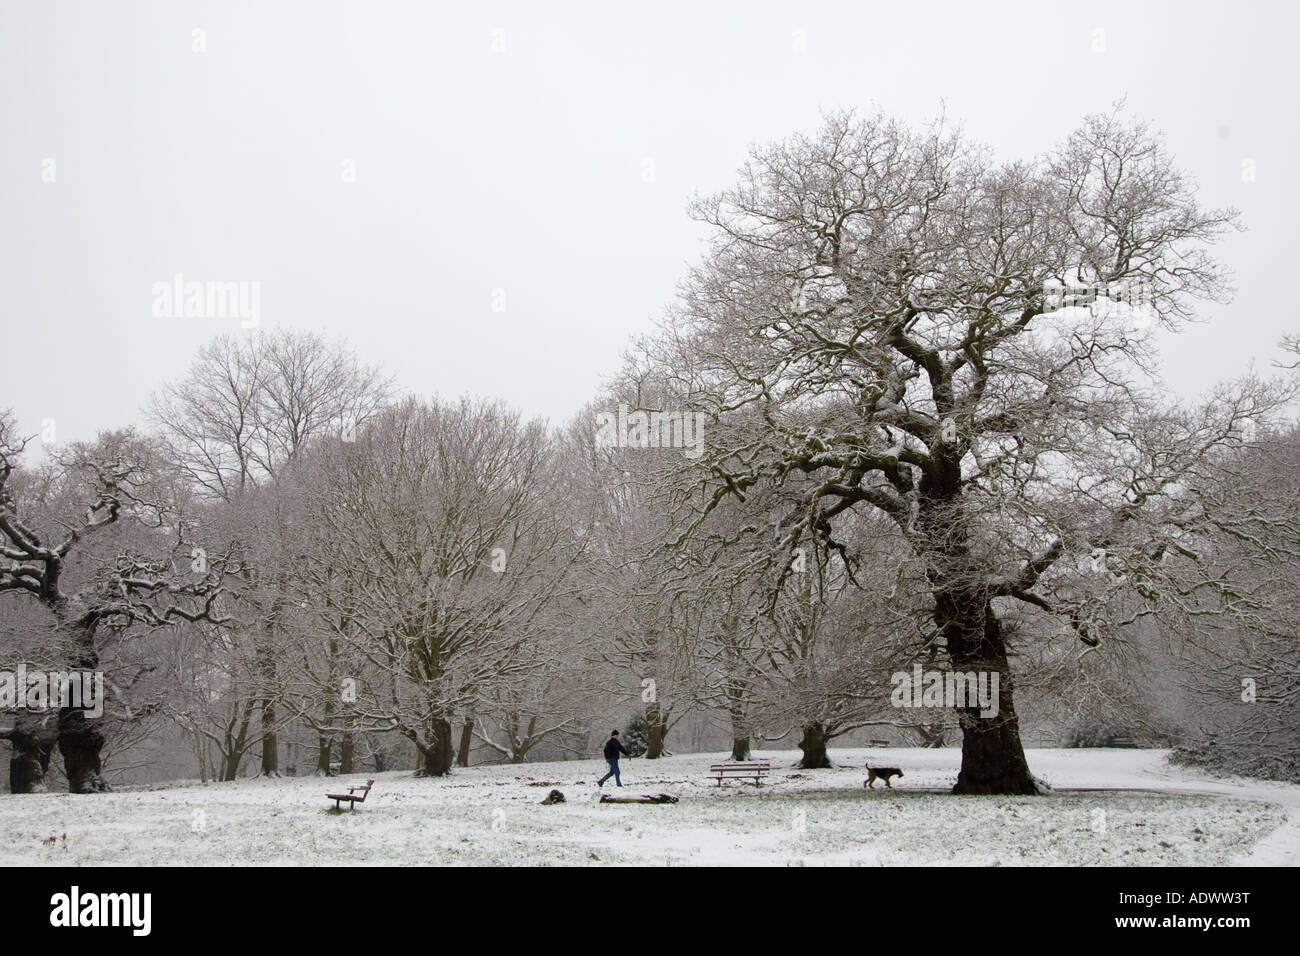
{"x":522,"y":170}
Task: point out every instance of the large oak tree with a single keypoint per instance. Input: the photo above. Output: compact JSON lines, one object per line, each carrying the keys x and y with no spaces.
{"x":876,"y":326}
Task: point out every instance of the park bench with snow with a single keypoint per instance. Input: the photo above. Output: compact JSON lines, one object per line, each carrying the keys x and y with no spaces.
{"x":351,"y":796}
{"x":755,"y":769}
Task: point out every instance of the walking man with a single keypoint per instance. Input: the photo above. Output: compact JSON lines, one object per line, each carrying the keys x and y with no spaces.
{"x":613,"y":747}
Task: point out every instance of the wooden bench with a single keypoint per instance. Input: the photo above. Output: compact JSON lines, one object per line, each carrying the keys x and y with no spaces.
{"x":754,"y":769}
{"x":351,"y":796}
{"x":878,"y":743}
{"x":1125,"y":742}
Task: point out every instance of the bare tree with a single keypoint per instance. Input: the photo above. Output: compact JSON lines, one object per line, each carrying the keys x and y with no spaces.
{"x":443,"y":531}
{"x":880,"y":313}
{"x":637,"y":639}
{"x":516,"y":717}
{"x":250,"y":402}
{"x":247,"y":406}
{"x":147,"y":579}
{"x":1235,"y":645}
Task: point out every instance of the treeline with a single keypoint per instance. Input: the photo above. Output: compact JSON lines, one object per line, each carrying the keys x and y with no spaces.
{"x":870,"y":436}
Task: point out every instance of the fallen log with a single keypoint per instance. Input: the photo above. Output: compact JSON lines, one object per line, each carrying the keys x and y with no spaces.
{"x":643,"y":798}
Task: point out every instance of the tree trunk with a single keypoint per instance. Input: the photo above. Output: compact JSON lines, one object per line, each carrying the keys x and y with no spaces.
{"x":326,"y":742}
{"x":813,"y":746}
{"x":233,"y":752}
{"x":347,"y":753}
{"x":466,"y":741}
{"x":736,"y":708}
{"x":270,"y":741}
{"x":519,"y":746}
{"x":438,"y":753}
{"x":266,"y":656}
{"x":992,"y":758}
{"x":378,"y":756}
{"x":324,"y":748}
{"x":230,"y":765}
{"x":32,"y":740}
{"x":656,"y":732}
{"x":80,"y":741}
{"x":201,"y":752}
{"x":644,"y":798}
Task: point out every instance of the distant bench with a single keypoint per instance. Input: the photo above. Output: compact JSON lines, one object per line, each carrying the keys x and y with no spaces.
{"x":351,"y":796}
{"x":754,"y":769}
{"x":1126,"y":742}
{"x":878,"y":743}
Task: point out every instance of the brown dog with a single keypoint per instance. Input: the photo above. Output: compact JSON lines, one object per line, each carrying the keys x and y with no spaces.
{"x":883,"y":773}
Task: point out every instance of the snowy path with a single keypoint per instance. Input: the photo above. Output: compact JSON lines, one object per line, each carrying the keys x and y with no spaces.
{"x":1149,"y":770}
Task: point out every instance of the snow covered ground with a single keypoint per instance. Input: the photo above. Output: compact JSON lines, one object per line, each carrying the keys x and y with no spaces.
{"x":1150,"y":814}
